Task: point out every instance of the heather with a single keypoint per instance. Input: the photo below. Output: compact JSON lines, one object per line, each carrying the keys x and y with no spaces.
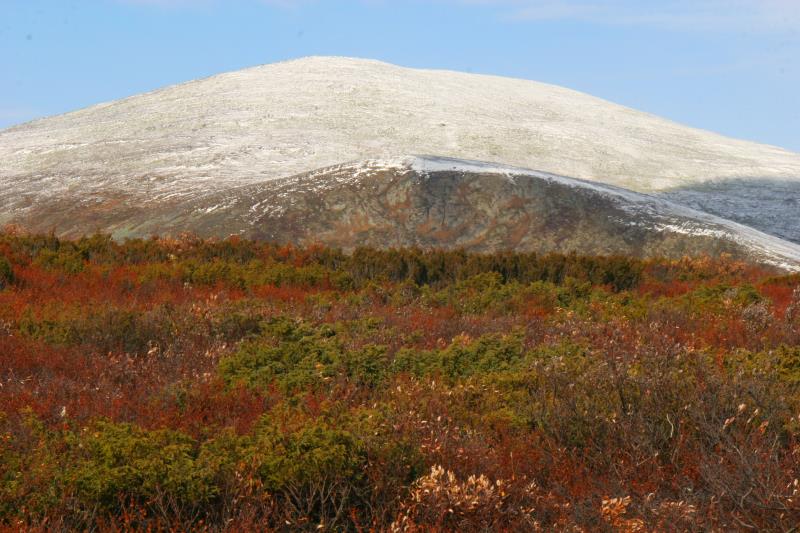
{"x":232,"y":385}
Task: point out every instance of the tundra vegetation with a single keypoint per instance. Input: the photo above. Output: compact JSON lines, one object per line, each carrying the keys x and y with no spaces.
{"x":230,"y":385}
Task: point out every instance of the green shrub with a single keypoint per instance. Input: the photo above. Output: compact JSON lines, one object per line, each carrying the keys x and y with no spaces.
{"x":232,"y":323}
{"x":789,"y":363}
{"x":463,"y":357}
{"x":479,"y":293}
{"x":312,"y":453}
{"x":316,"y":470}
{"x":107,"y":329}
{"x":292,"y":354}
{"x":29,"y":467}
{"x":6,"y":273}
{"x":298,"y":356}
{"x":114,"y":463}
{"x":720,"y":296}
{"x":64,"y":259}
{"x":214,"y":272}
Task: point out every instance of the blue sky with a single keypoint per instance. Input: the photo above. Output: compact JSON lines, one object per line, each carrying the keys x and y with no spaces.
{"x":731,"y":66}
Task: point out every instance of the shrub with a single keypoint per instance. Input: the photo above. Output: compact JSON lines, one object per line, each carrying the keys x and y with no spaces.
{"x":297,"y":356}
{"x":65,"y":259}
{"x":463,"y":357}
{"x":440,"y":501}
{"x":114,"y":463}
{"x":6,"y":273}
{"x":316,"y":471}
{"x":183,"y":384}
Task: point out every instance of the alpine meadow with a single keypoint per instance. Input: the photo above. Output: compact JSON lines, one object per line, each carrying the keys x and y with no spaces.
{"x":329,"y":293}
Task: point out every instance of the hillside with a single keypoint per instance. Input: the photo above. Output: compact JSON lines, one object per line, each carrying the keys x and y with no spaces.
{"x":434,"y":203}
{"x":163,"y":150}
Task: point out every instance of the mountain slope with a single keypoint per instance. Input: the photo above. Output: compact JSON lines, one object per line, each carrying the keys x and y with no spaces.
{"x":244,"y":128}
{"x":434,"y":202}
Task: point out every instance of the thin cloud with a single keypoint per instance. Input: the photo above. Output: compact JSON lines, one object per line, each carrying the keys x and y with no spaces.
{"x":695,"y":15}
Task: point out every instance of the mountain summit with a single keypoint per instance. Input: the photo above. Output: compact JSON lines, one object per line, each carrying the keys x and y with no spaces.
{"x":111,"y":166}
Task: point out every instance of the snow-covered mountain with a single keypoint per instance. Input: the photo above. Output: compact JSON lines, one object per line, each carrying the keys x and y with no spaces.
{"x":169,"y":152}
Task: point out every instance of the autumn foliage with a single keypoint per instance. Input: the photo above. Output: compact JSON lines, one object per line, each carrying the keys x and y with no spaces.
{"x":183,"y":384}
